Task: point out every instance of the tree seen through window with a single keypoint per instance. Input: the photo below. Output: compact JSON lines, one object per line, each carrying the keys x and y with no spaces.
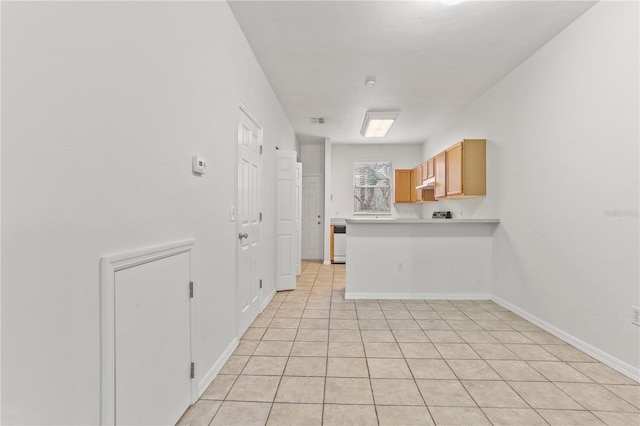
{"x":371,"y":187}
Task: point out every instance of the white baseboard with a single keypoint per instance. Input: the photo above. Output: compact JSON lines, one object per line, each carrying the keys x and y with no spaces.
{"x":268,"y":299}
{"x":605,"y":358}
{"x":217,"y":366}
{"x":418,"y":296}
{"x":206,"y":380}
{"x":326,"y":262}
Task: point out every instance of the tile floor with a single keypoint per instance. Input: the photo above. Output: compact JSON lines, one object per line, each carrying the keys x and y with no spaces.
{"x":314,"y":358}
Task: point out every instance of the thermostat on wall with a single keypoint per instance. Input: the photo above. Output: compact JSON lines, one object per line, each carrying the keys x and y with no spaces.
{"x":198,"y":164}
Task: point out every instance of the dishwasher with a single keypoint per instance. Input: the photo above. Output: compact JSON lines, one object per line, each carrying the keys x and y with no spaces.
{"x":340,"y":244}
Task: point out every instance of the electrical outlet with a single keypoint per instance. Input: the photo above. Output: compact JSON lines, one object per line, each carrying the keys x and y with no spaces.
{"x":400,"y":266}
{"x":636,"y":316}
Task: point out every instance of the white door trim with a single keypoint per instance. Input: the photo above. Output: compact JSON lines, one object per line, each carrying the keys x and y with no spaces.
{"x":298,"y":218}
{"x":286,"y":178}
{"x":109,"y":265}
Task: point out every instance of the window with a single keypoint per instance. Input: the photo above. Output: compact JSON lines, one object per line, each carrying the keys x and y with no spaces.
{"x":371,"y":187}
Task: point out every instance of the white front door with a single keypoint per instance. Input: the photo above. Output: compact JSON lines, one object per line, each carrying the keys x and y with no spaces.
{"x":286,"y":220}
{"x":152,"y":342}
{"x":248,"y":219}
{"x":312,"y":210}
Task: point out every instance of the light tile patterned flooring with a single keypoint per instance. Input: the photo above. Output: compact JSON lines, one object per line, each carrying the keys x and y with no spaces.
{"x":314,"y":358}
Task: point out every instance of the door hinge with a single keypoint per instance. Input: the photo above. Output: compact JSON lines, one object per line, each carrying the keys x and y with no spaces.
{"x":260,"y":216}
{"x":193,"y":370}
{"x":260,"y":283}
{"x":260,"y":149}
{"x":191,"y":289}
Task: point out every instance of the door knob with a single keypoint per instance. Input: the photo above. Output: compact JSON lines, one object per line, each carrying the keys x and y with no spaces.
{"x":243,"y":235}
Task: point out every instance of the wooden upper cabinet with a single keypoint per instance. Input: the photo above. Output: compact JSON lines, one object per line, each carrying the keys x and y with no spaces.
{"x":429,"y":166}
{"x":406,"y":181}
{"x":417,"y":180}
{"x":466,"y":169}
{"x":440,"y":173}
{"x":459,"y":172}
{"x":454,"y":170}
{"x":423,"y":169}
{"x":404,"y":185}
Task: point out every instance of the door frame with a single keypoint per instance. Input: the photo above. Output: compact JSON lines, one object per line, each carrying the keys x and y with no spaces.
{"x":299,"y":218}
{"x":320,"y":177}
{"x":109,"y":265}
{"x":242,"y":107}
{"x":286,"y":281}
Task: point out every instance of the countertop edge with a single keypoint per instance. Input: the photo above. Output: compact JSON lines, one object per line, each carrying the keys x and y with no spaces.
{"x":362,"y":221}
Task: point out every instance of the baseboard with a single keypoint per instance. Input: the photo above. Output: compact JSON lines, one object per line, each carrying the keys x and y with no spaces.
{"x":268,"y":299}
{"x":206,"y":380}
{"x":217,"y":366}
{"x":327,"y":262}
{"x":605,"y":358}
{"x":419,"y":296}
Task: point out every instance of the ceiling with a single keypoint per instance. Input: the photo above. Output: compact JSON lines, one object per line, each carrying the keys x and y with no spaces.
{"x":430,"y":60}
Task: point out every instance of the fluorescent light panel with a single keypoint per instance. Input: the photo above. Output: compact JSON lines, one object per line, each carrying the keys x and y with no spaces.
{"x":377,"y":123}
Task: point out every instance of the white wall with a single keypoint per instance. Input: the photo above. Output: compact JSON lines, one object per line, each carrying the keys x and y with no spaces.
{"x":405,"y":156}
{"x":103,"y":106}
{"x":564,"y":128}
{"x":312,"y":158}
{"x":438,"y":260}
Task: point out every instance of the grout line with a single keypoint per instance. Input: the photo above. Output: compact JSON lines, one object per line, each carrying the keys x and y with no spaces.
{"x":320,"y":292}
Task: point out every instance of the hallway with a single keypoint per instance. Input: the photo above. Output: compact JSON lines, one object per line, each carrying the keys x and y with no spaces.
{"x":314,"y":358}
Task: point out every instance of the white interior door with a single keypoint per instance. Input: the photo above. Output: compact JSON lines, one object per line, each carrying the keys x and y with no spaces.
{"x":312,"y":222}
{"x":298,"y":218}
{"x":248,"y":219}
{"x":286,"y":220}
{"x":152,"y":342}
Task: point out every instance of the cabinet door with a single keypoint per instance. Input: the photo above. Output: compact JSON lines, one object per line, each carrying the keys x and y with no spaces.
{"x":429,"y":165}
{"x":417,"y":180}
{"x":454,"y":170}
{"x":440,"y":172}
{"x":403,"y":186}
{"x":331,"y":246}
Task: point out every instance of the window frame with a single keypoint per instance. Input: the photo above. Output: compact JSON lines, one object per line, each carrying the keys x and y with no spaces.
{"x":388,"y":187}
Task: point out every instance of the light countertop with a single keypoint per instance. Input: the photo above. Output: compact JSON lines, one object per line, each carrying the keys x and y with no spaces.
{"x":414,"y":221}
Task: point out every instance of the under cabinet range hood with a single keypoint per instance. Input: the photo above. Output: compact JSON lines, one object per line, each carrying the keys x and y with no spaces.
{"x":427,"y":183}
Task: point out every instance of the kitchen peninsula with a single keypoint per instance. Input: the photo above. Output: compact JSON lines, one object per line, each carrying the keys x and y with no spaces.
{"x":395,"y":258}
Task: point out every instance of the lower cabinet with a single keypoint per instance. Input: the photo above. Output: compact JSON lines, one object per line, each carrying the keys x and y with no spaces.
{"x":331,"y":245}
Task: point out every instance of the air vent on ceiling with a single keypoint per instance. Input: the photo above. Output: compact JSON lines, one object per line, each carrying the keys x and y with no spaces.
{"x":317,"y":120}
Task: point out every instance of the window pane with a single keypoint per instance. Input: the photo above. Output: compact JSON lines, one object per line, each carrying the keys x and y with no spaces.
{"x":372,"y":173}
{"x":371,"y":187}
{"x":371,"y":199}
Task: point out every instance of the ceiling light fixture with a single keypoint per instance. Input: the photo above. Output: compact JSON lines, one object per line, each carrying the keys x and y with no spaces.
{"x":377,"y":123}
{"x":370,"y":82}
